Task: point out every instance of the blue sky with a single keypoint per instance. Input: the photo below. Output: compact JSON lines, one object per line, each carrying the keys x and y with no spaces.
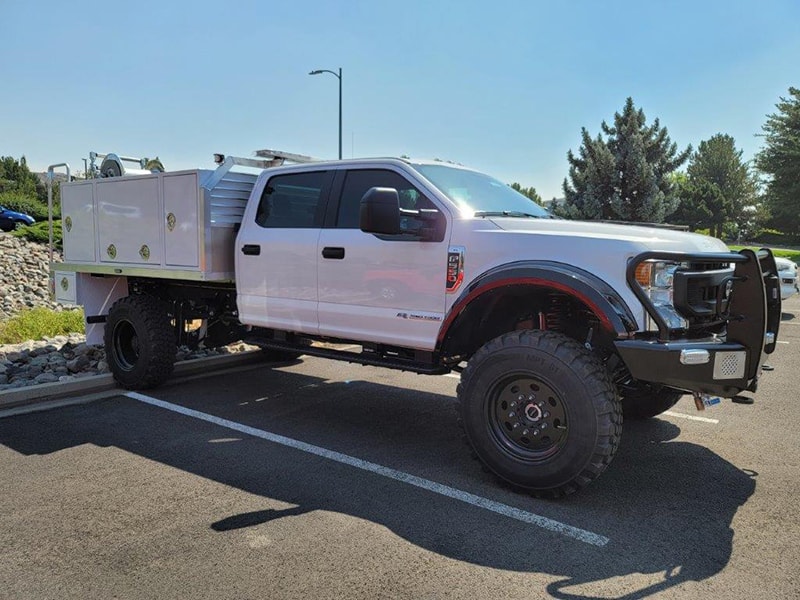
{"x":504,"y":87}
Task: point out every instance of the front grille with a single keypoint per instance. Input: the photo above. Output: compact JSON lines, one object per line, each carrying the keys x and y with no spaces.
{"x":700,"y":295}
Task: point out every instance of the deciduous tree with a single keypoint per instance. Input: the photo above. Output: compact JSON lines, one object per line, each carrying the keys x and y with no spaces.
{"x":719,"y":189}
{"x":530,"y":192}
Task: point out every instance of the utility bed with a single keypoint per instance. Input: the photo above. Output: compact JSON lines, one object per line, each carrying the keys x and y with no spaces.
{"x":178,"y":225}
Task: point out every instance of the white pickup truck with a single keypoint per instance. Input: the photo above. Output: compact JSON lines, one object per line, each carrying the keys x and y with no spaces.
{"x":557,"y":327}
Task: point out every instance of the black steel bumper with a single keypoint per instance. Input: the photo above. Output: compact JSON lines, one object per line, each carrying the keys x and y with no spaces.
{"x":724,"y":364}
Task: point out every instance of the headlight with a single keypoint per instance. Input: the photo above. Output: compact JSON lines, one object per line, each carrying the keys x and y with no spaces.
{"x":656,"y":279}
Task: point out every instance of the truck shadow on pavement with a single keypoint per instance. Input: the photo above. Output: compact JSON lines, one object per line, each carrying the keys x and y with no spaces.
{"x":666,"y":505}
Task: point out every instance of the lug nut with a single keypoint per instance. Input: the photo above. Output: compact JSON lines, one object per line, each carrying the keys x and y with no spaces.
{"x":513,"y":404}
{"x":544,"y":425}
{"x":546,"y":415}
{"x":520,"y":397}
{"x":535,"y":432}
{"x":511,"y":414}
{"x":524,"y":432}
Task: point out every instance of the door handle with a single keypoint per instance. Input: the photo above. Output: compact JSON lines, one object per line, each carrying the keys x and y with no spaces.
{"x":332,"y":252}
{"x":251,"y":249}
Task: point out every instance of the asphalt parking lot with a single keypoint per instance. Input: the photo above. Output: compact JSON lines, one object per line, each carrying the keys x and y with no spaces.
{"x":325,"y":480}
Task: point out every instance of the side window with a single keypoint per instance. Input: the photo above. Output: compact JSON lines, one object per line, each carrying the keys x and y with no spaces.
{"x":291,"y":200}
{"x":357,"y":183}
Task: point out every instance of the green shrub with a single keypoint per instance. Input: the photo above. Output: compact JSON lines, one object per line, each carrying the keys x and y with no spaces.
{"x":772,"y":237}
{"x":39,"y":323}
{"x":40,"y":232}
{"x":13,"y":200}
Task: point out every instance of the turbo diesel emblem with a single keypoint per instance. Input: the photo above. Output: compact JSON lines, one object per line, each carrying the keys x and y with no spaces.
{"x":455,"y":268}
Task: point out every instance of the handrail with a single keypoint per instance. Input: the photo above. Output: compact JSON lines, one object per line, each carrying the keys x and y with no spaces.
{"x":50,"y":170}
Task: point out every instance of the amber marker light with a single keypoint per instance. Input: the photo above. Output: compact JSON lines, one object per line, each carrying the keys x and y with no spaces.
{"x":644,"y":274}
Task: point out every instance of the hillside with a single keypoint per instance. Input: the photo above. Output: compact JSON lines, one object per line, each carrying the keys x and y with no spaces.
{"x":23,"y":276}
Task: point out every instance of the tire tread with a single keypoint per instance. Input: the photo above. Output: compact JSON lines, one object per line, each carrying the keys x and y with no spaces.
{"x":606,"y":402}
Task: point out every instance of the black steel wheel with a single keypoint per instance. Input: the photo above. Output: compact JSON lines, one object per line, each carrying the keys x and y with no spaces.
{"x":540,"y":412}
{"x":527,"y":417}
{"x":646,"y":401}
{"x":139,"y":342}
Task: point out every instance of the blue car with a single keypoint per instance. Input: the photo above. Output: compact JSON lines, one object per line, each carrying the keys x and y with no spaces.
{"x":11,"y":219}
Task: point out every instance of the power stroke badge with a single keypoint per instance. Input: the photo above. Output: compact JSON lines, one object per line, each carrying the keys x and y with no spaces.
{"x":455,"y":268}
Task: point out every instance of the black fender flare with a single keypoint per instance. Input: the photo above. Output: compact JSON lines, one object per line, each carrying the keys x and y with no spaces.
{"x":602,"y":299}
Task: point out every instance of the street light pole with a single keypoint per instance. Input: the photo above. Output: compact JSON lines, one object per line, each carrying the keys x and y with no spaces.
{"x":339,"y":77}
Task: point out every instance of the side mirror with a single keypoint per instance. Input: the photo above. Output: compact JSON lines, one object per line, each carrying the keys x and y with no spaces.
{"x":380,"y":211}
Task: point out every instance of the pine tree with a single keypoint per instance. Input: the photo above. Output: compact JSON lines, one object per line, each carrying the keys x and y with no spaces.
{"x":623,"y":173}
{"x":780,"y":161}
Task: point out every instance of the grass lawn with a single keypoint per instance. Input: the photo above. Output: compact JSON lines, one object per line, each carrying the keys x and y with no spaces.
{"x":793,"y":255}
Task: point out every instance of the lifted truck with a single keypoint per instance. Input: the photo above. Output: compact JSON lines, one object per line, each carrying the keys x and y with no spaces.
{"x":557,"y":327}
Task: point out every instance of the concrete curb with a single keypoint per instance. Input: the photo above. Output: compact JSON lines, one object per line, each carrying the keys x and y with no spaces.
{"x":98,"y":384}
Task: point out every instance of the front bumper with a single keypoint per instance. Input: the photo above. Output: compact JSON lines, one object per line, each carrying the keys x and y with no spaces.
{"x":725,"y":364}
{"x":725,"y":372}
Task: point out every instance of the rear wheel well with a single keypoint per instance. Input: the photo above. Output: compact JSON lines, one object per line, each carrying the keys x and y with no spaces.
{"x":516,"y":307}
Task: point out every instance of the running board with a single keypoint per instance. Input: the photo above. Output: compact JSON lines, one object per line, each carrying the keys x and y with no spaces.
{"x":362,"y":358}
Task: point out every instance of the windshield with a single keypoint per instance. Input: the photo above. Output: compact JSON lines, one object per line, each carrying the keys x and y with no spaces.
{"x":477,"y":194}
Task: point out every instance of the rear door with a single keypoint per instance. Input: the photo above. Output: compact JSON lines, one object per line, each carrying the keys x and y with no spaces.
{"x":276,"y":252}
{"x":388,"y":289}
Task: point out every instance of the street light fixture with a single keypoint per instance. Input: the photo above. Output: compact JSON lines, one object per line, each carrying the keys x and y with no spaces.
{"x":339,"y":77}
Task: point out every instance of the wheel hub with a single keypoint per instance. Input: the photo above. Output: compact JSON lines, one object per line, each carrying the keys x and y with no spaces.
{"x":533,"y":413}
{"x":527,"y":417}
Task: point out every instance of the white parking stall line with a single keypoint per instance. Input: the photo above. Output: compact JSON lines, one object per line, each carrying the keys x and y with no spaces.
{"x":670,"y":413}
{"x":453,"y":375}
{"x":782,"y":342}
{"x":524,"y":516}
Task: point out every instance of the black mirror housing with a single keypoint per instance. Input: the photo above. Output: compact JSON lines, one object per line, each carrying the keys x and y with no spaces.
{"x":380,"y":211}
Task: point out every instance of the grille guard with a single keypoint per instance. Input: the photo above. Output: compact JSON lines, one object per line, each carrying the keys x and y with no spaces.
{"x":767,"y":274}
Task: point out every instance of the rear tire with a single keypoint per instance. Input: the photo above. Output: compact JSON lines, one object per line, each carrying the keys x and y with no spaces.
{"x":648,"y":401}
{"x":140,"y":342}
{"x":540,"y":412}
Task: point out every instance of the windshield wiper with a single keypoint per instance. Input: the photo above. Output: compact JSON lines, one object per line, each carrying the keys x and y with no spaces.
{"x":506,"y":213}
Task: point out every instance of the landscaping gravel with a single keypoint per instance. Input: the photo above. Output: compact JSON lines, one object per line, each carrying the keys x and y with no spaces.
{"x":24,"y":283}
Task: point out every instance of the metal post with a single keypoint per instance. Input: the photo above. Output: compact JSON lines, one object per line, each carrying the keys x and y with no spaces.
{"x":340,"y":113}
{"x":339,"y":77}
{"x":50,"y":202}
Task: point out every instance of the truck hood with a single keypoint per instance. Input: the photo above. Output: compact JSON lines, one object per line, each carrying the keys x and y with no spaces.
{"x":645,"y":238}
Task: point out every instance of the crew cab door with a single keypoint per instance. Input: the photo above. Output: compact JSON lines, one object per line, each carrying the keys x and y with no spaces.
{"x":276,"y":258}
{"x":385,"y":289}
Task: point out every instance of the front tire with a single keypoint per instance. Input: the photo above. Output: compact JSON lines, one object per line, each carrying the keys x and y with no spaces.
{"x":540,"y":412}
{"x":140,"y":342}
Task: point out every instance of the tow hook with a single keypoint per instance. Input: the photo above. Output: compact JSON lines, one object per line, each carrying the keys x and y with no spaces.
{"x":701,"y":401}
